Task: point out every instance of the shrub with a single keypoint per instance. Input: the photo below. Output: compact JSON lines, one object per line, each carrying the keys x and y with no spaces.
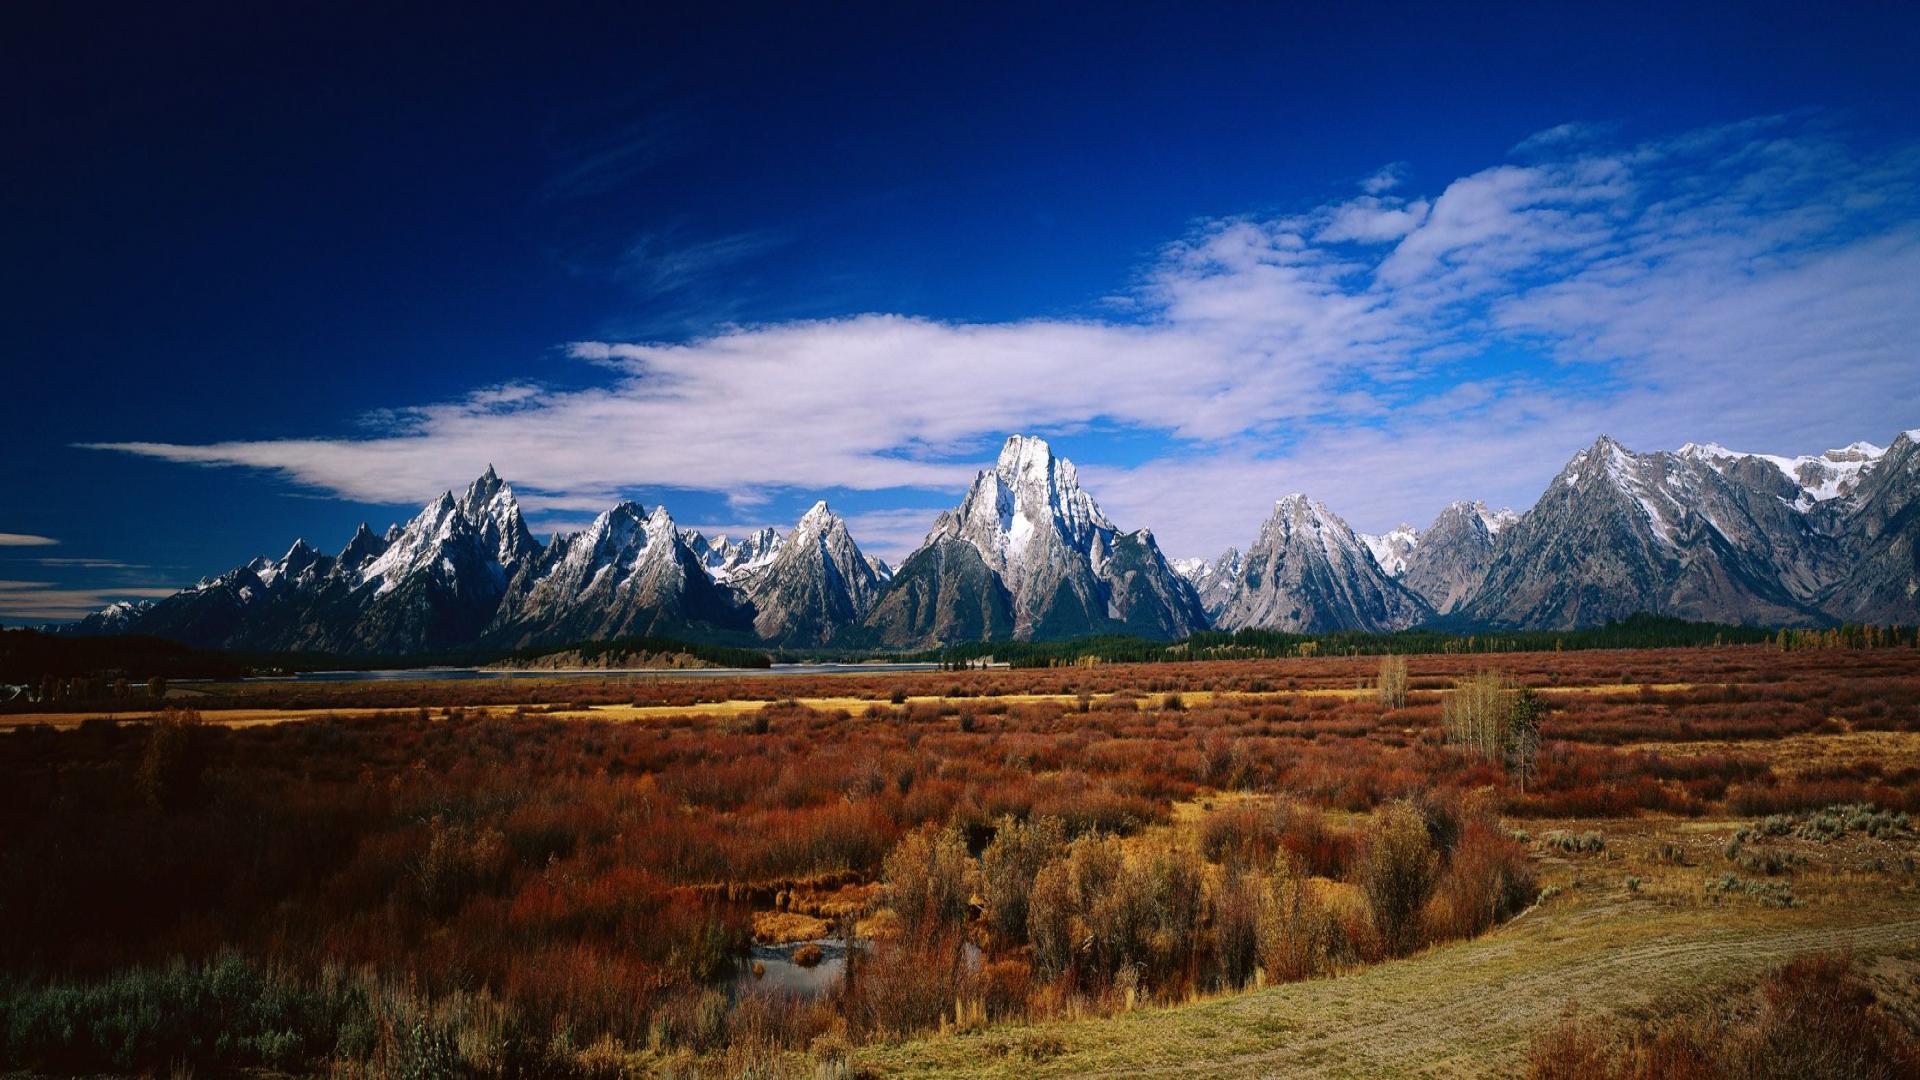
{"x":1487,"y":880}
{"x":1397,"y":874}
{"x":1296,"y":936}
{"x":926,"y":878}
{"x":908,"y":985}
{"x":1052,"y":910}
{"x":1322,"y":850}
{"x":1008,"y":867}
{"x":458,"y":862}
{"x":1236,"y":909}
{"x":172,"y":770}
{"x":1240,"y":836}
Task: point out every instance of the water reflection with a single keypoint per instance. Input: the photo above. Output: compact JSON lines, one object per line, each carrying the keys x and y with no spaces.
{"x":780,"y":974}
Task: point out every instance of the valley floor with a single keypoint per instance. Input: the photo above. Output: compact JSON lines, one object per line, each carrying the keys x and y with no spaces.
{"x":586,"y":872}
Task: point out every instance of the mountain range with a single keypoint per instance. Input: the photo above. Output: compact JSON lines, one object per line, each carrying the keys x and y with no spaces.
{"x":1701,"y":532}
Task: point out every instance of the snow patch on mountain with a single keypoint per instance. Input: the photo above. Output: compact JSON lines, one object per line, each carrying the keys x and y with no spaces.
{"x":1821,"y":477}
{"x":1391,"y":549}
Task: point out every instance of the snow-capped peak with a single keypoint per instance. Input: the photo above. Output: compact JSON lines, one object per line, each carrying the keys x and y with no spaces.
{"x":818,"y":519}
{"x":1297,"y":515}
{"x":1820,"y":477}
{"x":1029,"y":497}
{"x":1390,"y":549}
{"x":485,"y":521}
{"x":724,"y":558}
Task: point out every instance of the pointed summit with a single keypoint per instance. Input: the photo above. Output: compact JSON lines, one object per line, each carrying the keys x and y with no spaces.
{"x":363,"y":546}
{"x":1452,"y":556}
{"x":485,"y":490}
{"x":1309,"y":572}
{"x":818,"y":518}
{"x":816,"y":583}
{"x":1062,"y":566}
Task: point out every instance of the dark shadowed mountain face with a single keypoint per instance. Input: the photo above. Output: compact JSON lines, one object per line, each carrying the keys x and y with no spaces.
{"x":1309,"y":572}
{"x":1880,"y":528}
{"x":1451,"y":558}
{"x":1700,"y":533}
{"x":942,"y":594}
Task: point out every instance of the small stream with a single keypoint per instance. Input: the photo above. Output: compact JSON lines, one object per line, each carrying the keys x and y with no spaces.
{"x":780,"y":975}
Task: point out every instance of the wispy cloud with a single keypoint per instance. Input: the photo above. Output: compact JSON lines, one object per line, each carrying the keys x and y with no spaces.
{"x":1388,"y":178}
{"x":1750,"y":284}
{"x":603,"y":163}
{"x":91,"y":564}
{"x":667,"y":261}
{"x":8,"y":539}
{"x":46,"y":600}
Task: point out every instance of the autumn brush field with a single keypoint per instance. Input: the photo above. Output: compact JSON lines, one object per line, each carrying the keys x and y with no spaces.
{"x":1682,"y":862}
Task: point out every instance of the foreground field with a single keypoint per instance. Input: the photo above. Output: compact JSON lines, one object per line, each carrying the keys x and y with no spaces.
{"x":1656,"y":949}
{"x":1062,"y":871}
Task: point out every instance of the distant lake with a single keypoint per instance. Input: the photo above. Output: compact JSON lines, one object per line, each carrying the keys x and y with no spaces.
{"x":451,"y":674}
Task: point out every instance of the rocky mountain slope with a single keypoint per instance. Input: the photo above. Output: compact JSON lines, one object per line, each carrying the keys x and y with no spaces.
{"x":1879,"y":521}
{"x":1451,"y":557}
{"x":818,"y":582}
{"x":1212,"y":580}
{"x":1309,"y":572}
{"x":1697,"y":533}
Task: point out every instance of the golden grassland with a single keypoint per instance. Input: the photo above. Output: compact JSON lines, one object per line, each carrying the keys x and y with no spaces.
{"x":733,"y":707}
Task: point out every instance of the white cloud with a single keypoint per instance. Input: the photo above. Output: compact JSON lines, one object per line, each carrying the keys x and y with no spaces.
{"x":25,"y":540}
{"x":1388,"y":178}
{"x":44,"y":600}
{"x":1751,"y":284}
{"x":1369,"y":220}
{"x":91,"y":564}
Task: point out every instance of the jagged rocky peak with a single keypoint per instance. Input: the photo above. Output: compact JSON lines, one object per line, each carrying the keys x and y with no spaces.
{"x":1452,"y":557}
{"x":725,"y":559}
{"x":298,"y":566}
{"x":363,"y":546}
{"x":1044,"y":553}
{"x":1300,"y":512}
{"x":1029,"y":497}
{"x":489,"y":504}
{"x":1309,"y":572}
{"x":1822,"y":477}
{"x":1213,"y":581}
{"x":449,"y":535}
{"x":608,"y":540}
{"x":1390,"y":549}
{"x":817,"y":583}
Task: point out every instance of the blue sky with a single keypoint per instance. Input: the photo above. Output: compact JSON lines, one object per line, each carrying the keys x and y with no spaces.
{"x":273,"y":272}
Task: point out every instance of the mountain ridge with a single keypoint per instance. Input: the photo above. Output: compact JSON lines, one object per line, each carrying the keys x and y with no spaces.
{"x":1700,"y":532}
